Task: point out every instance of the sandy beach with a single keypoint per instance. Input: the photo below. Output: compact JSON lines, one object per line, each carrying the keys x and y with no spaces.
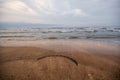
{"x":59,"y":60}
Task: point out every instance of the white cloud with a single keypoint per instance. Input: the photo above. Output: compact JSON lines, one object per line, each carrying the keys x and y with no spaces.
{"x":61,"y":11}
{"x":18,"y":7}
{"x":23,"y":10}
{"x":74,"y":12}
{"x":57,"y":7}
{"x":79,"y":12}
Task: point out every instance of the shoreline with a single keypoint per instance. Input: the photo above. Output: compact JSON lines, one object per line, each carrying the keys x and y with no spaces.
{"x":61,"y":45}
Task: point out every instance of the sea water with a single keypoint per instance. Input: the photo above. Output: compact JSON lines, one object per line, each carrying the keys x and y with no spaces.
{"x":39,"y":33}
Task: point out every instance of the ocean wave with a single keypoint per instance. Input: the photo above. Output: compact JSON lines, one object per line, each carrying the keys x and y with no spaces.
{"x":60,"y":33}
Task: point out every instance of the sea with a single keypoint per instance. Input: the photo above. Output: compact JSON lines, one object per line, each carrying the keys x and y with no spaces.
{"x":101,"y":33}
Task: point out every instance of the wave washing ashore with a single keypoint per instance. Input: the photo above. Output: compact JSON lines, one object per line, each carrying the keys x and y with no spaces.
{"x":39,"y":33}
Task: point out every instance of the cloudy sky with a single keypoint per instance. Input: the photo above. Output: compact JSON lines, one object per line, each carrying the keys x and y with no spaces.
{"x":82,"y":12}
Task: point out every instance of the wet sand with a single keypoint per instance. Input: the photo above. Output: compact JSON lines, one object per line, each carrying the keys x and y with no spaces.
{"x":59,"y":60}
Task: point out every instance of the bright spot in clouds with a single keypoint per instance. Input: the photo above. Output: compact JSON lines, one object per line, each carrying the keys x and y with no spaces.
{"x":17,"y":7}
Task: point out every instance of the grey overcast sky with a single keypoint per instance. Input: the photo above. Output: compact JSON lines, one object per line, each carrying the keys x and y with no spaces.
{"x":81,"y":12}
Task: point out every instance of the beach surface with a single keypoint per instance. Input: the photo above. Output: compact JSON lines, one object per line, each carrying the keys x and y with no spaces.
{"x":59,"y":60}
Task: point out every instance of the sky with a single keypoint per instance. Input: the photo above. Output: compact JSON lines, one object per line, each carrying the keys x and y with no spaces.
{"x":76,"y":12}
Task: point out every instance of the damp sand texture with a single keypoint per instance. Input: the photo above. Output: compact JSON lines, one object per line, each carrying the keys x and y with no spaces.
{"x":35,"y":63}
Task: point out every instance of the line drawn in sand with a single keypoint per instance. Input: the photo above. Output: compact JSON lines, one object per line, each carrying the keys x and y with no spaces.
{"x":69,"y":58}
